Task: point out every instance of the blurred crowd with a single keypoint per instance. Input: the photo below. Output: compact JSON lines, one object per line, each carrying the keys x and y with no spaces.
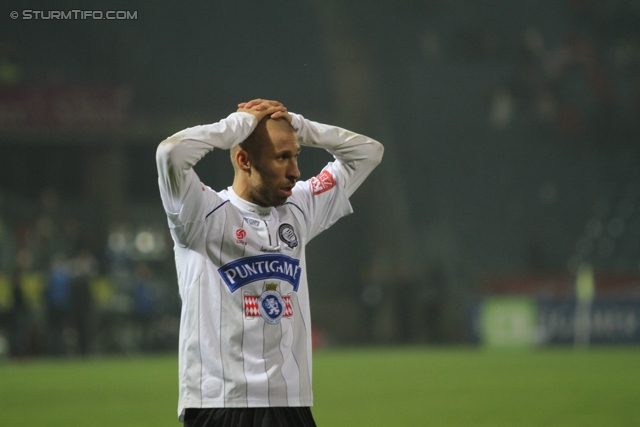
{"x":584,"y":82}
{"x":65,"y":289}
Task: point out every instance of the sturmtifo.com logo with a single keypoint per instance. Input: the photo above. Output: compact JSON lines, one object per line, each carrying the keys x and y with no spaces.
{"x":28,"y":14}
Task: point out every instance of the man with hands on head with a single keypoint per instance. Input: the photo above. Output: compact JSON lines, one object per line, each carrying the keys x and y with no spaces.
{"x":245,"y":328}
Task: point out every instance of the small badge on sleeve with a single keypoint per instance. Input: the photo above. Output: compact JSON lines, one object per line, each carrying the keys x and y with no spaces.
{"x":323,"y":182}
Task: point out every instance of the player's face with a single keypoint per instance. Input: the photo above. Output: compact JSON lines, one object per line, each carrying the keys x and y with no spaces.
{"x":276,"y":171}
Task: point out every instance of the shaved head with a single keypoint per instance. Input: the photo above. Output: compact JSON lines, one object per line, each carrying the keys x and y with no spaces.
{"x":267,"y":130}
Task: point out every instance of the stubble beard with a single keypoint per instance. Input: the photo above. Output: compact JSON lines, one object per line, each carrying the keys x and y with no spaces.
{"x":266,"y":194}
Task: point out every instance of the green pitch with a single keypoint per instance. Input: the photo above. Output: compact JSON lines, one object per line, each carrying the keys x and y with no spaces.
{"x":374,"y":387}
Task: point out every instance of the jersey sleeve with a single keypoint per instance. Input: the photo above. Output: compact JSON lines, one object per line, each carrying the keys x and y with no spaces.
{"x":183,"y":196}
{"x":322,"y":199}
{"x":325,"y":198}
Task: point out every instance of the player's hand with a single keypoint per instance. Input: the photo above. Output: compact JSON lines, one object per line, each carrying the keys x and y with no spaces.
{"x":261,"y":108}
{"x":259,"y":104}
{"x":284,"y":114}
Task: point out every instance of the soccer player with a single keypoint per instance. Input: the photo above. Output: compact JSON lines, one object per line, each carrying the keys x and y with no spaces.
{"x":245,"y":329}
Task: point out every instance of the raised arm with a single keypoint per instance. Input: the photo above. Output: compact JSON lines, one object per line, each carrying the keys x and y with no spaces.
{"x":176,"y":155}
{"x":320,"y":200}
{"x":356,"y":155}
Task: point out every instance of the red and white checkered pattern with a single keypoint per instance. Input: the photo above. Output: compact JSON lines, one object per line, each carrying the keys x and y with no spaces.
{"x":288,"y":310}
{"x":251,"y":306}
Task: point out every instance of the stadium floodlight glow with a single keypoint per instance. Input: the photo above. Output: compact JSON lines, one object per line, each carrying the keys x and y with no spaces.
{"x":145,"y":242}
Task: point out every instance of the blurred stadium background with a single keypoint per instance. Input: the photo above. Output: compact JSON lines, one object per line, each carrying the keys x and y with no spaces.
{"x":506,"y":211}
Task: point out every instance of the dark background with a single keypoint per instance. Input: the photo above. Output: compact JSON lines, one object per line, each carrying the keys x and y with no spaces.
{"x":511,"y":131}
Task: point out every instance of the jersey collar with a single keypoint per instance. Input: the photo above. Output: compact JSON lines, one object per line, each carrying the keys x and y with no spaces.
{"x":248,"y":206}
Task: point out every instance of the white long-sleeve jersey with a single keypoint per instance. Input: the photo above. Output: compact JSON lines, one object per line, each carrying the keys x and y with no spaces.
{"x":245,"y":331}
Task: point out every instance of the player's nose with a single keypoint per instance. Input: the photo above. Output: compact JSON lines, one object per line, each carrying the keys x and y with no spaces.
{"x":293,"y":172}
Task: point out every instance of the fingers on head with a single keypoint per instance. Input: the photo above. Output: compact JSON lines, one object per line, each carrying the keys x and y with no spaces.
{"x":254,"y":102}
{"x":261,"y":101}
{"x":268,"y":107}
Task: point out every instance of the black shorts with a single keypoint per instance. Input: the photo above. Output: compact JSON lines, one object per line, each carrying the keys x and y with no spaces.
{"x":249,"y":417}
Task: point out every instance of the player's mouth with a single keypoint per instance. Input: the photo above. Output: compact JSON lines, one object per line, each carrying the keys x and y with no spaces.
{"x":286,"y":191}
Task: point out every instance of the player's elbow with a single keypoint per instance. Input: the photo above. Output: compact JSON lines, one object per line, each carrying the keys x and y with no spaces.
{"x":163,"y":154}
{"x":167,"y":152}
{"x":377,"y":152}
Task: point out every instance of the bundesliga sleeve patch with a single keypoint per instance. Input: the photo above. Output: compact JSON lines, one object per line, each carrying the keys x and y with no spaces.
{"x":323,"y":182}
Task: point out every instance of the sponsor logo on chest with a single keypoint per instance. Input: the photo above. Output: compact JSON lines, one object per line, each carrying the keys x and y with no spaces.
{"x":268,"y":266}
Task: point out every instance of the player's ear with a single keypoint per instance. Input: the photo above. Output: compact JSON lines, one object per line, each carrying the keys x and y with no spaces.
{"x":242,"y":160}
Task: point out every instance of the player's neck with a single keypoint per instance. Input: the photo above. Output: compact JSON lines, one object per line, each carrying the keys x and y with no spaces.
{"x":244,"y":201}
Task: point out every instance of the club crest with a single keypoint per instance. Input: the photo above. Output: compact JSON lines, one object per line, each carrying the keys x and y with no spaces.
{"x":271,"y":307}
{"x":288,"y":235}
